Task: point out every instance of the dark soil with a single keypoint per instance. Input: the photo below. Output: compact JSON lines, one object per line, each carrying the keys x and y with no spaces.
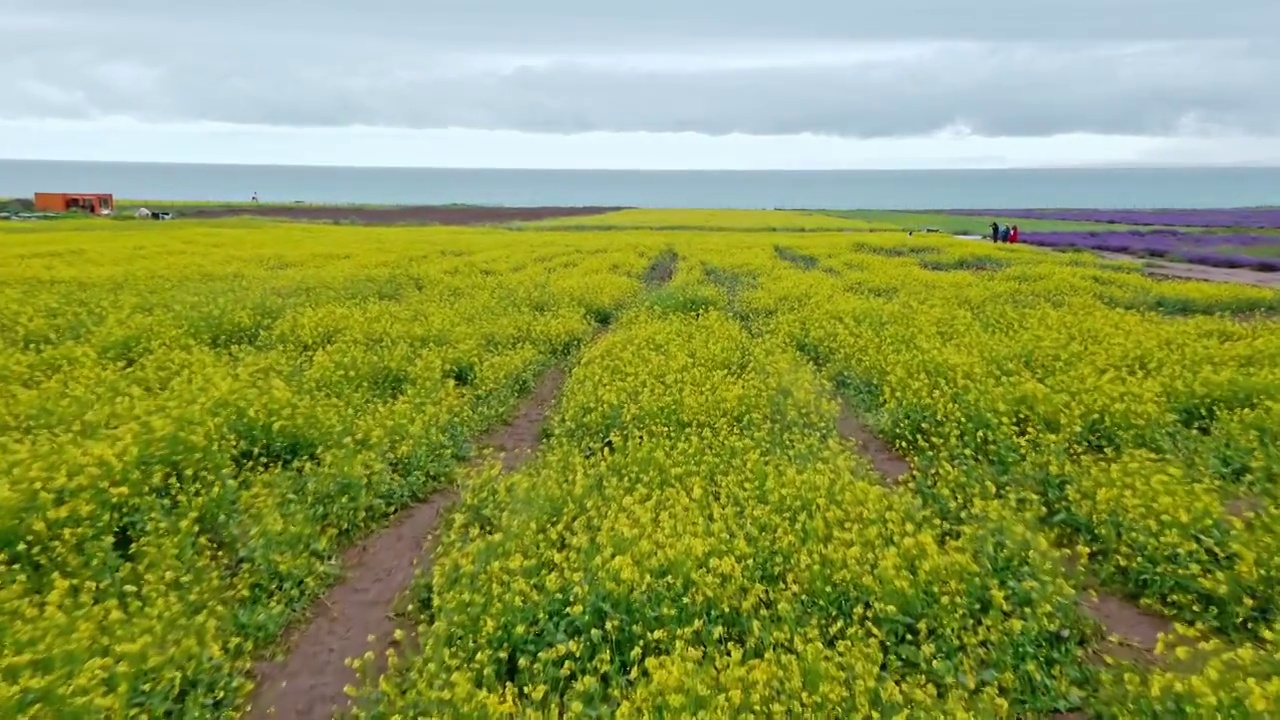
{"x":887,"y":461}
{"x":517,"y":440}
{"x":1243,"y":507}
{"x":308,"y":682}
{"x":406,"y":215}
{"x":1138,"y":629}
{"x":662,"y":269}
{"x":801,"y":260}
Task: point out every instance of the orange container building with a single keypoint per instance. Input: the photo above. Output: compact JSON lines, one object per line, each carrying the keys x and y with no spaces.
{"x":95,"y":203}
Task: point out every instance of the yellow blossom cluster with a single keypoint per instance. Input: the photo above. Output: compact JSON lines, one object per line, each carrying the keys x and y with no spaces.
{"x":695,"y":539}
{"x":674,"y":550}
{"x":1134,"y":420}
{"x":743,"y":220}
{"x":197,"y":417}
{"x":1132,"y":426}
{"x":1206,"y":679}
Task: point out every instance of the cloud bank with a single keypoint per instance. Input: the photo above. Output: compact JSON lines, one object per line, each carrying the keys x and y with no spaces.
{"x":914,"y":69}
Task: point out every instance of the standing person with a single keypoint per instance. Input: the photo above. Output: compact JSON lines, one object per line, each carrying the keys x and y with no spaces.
{"x":1004,"y":233}
{"x":995,"y":231}
{"x":254,"y":199}
{"x":1013,"y":236}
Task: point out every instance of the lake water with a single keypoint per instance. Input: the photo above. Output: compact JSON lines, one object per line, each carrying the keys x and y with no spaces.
{"x":859,"y":189}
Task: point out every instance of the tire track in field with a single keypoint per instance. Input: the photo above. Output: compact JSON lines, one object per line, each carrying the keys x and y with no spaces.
{"x":1133,"y":633}
{"x":1136,"y":631}
{"x":309,"y":681}
{"x":357,"y":615}
{"x":889,"y":463}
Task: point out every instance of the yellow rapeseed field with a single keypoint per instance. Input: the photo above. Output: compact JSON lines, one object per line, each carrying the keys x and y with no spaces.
{"x":695,"y":538}
{"x":196,"y":418}
{"x":199,"y":416}
{"x":743,"y":220}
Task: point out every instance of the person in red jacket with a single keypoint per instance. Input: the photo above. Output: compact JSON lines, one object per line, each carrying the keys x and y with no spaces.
{"x":1013,"y":235}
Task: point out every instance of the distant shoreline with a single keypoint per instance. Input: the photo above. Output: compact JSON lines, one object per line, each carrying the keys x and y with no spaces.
{"x":1237,"y":187}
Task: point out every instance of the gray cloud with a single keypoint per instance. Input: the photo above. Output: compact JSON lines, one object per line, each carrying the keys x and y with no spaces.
{"x":997,"y":67}
{"x":586,"y":20}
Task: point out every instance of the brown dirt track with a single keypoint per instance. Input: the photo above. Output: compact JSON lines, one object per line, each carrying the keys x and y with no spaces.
{"x":405,"y":215}
{"x":1136,"y":631}
{"x":307,"y":683}
{"x":358,"y":614}
{"x":1188,"y":271}
{"x":891,"y":465}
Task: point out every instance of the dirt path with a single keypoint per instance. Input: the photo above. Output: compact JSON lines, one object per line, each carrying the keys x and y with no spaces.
{"x":1136,"y":631}
{"x":1188,"y":271}
{"x":1244,"y":507}
{"x":887,"y":461}
{"x":1132,"y":634}
{"x":1168,"y":268}
{"x":661,"y":270}
{"x":308,"y":682}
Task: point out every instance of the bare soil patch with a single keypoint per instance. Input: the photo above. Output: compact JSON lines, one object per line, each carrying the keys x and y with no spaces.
{"x":407,"y":215}
{"x":662,"y":269}
{"x":1244,"y":507}
{"x":887,"y":461}
{"x":1188,"y":271}
{"x":1132,"y":633}
{"x":1137,"y":630}
{"x":308,"y":681}
{"x":804,"y":261}
{"x":517,"y":440}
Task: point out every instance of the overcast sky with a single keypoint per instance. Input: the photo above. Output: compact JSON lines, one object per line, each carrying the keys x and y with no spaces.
{"x":660,"y":83}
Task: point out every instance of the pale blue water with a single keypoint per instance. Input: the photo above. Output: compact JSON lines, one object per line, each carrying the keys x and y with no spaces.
{"x":869,"y":189}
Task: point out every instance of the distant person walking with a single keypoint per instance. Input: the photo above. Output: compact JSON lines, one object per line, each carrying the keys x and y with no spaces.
{"x":1013,"y":236}
{"x":254,"y":199}
{"x":995,"y":231}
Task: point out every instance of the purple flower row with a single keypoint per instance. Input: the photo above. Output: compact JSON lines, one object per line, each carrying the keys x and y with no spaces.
{"x":1193,"y":248}
{"x":1260,"y":218}
{"x":1174,"y":237}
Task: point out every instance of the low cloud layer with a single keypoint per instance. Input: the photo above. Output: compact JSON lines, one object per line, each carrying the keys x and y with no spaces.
{"x":120,"y":139}
{"x":992,"y":68}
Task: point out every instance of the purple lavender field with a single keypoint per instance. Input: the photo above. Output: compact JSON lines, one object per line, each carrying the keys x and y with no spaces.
{"x":1255,"y":252}
{"x":1255,"y":218}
